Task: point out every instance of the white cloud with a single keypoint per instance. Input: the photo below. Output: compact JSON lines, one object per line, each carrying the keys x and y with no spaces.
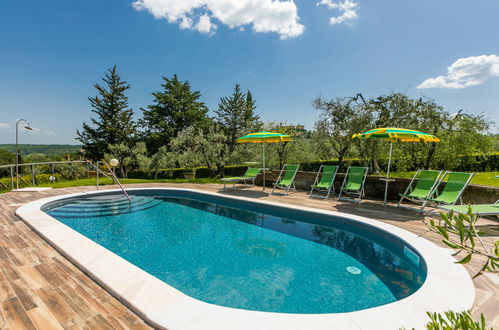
{"x":347,"y":9}
{"x":4,"y":125}
{"x":262,"y":15}
{"x":36,"y":131}
{"x":466,"y":72}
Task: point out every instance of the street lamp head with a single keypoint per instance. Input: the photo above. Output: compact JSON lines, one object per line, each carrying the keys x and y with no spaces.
{"x":28,"y":128}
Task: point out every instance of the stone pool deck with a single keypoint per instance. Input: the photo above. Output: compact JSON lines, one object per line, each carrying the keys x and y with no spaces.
{"x":40,"y":289}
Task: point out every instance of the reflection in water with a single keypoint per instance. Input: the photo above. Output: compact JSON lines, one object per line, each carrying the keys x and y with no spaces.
{"x":399,"y":275}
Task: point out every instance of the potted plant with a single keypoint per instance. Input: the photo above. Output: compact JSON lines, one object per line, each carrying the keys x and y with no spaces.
{"x":190,"y":174}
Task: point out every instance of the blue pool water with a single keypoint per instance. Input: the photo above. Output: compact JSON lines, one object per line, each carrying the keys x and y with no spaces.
{"x":248,"y":255}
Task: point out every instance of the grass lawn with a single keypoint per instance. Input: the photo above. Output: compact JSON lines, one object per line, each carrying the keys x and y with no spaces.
{"x":483,"y":178}
{"x":106,"y":181}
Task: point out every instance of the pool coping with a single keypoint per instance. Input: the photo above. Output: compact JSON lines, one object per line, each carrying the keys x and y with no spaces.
{"x":448,"y":286}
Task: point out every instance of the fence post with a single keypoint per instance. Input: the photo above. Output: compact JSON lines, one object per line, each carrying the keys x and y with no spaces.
{"x":97,"y":176}
{"x":12,"y":177}
{"x":32,"y":175}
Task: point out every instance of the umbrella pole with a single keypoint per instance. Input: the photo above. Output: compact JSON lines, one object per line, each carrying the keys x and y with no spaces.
{"x":388,"y":172}
{"x":263,"y":148}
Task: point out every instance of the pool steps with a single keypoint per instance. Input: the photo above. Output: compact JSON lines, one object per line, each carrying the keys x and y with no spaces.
{"x":105,"y":207}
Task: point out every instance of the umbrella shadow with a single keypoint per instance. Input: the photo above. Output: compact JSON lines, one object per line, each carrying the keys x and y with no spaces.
{"x":379,"y":211}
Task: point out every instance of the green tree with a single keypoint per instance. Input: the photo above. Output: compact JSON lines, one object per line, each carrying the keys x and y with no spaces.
{"x":175,"y":108}
{"x":340,"y":118}
{"x":6,"y":157}
{"x":114,"y":123}
{"x":195,"y":147}
{"x":236,"y":116}
{"x":129,"y":157}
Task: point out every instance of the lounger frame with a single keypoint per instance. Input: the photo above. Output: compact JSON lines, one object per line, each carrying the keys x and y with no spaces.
{"x":316,"y":181}
{"x":410,"y":188}
{"x":360,"y":193}
{"x":435,"y":190}
{"x":237,"y":180}
{"x":288,"y":187}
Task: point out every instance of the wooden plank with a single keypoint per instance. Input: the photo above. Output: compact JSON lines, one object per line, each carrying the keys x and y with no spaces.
{"x":43,"y":319}
{"x":30,"y":275}
{"x":16,"y":316}
{"x":124,"y":315}
{"x":19,"y":242}
{"x":6,"y":291}
{"x":3,"y":254}
{"x":99,"y":322}
{"x":48,"y":273}
{"x":54,"y":302}
{"x":115,"y":323}
{"x":76,"y":302}
{"x":74,"y":324}
{"x":3,"y":321}
{"x":17,"y":257}
{"x":91,"y":300}
{"x":26,"y":297}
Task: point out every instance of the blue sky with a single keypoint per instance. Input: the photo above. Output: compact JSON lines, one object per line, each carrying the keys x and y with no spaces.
{"x":287,"y":53}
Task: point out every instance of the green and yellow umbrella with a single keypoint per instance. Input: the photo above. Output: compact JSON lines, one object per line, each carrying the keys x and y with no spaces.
{"x":394,"y":134}
{"x":264,"y":137}
{"x":397,"y":135}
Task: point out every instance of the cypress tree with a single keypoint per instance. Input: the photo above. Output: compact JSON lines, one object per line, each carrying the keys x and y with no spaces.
{"x":236,"y":115}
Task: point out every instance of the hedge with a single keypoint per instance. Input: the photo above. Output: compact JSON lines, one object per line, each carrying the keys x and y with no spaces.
{"x":178,"y":173}
{"x":472,"y":163}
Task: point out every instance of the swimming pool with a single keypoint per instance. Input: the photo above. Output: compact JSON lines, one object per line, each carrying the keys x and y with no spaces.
{"x":248,"y":255}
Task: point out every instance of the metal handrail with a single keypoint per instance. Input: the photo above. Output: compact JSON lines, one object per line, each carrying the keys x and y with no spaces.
{"x":115,"y":178}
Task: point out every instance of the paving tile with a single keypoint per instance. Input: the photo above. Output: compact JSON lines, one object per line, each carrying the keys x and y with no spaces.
{"x":43,"y":319}
{"x":76,"y":302}
{"x":15,"y":315}
{"x":54,"y":302}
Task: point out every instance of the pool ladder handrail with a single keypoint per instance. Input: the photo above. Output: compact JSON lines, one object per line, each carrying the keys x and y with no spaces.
{"x":114,"y":177}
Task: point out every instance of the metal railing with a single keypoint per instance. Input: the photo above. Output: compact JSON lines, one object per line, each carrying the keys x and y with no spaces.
{"x":115,"y":178}
{"x":14,"y":174}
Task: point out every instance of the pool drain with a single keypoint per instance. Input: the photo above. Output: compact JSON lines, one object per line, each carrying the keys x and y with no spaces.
{"x":353,"y":270}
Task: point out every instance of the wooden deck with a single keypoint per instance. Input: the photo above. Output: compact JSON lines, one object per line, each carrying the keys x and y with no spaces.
{"x":40,"y":289}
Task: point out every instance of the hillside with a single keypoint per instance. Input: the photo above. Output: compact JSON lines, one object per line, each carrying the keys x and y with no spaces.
{"x":47,"y":149}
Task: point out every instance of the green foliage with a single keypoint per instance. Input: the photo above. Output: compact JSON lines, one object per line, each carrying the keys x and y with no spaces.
{"x":340,"y":118}
{"x":47,"y":149}
{"x":129,"y":157}
{"x":459,"y":232}
{"x":175,"y":108}
{"x":455,"y":321}
{"x":193,"y":147}
{"x":236,"y":116}
{"x":6,"y":157}
{"x":114,"y":124}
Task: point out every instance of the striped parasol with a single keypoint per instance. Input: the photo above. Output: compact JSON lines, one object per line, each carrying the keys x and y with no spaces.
{"x":264,"y":137}
{"x":394,"y":134}
{"x":397,"y":135}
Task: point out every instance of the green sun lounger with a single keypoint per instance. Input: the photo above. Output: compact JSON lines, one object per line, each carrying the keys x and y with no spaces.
{"x":326,"y":182}
{"x":452,"y":191}
{"x":353,"y":183}
{"x":286,"y":179}
{"x":426,"y":182}
{"x":250,"y":175}
{"x":478,"y":209}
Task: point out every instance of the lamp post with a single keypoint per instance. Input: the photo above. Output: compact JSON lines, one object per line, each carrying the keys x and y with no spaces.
{"x":17,"y":147}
